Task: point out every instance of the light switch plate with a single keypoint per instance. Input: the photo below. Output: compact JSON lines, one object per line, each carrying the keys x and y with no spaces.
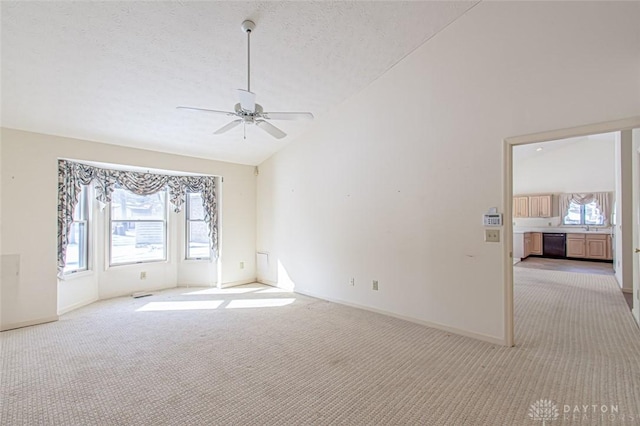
{"x":492,"y":235}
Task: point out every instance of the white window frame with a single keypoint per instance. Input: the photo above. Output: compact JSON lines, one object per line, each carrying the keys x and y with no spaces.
{"x":165,"y":228}
{"x":187,"y":233}
{"x":583,"y":210}
{"x":83,"y":205}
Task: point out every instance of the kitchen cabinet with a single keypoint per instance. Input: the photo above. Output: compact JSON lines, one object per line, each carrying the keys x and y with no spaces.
{"x":524,"y":245}
{"x":576,"y":246}
{"x":532,"y":206}
{"x":540,"y":206}
{"x":589,"y":246}
{"x":596,"y":246}
{"x":527,"y":245}
{"x":521,"y":206}
{"x":536,"y":243}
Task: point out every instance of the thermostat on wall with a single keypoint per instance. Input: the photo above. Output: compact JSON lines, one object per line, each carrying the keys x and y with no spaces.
{"x":492,"y":218}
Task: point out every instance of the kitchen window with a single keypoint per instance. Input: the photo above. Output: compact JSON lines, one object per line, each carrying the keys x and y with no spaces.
{"x":583,"y":214}
{"x":197,"y":231}
{"x":77,"y":254}
{"x":138,"y":230}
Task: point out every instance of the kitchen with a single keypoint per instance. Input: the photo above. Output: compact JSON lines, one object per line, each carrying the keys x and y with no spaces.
{"x":564,"y":202}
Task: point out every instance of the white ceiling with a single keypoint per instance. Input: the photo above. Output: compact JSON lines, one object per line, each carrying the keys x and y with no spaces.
{"x":525,"y":152}
{"x":114,"y":72}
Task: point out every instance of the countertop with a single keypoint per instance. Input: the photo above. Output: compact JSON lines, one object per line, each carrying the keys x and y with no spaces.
{"x":564,"y":229}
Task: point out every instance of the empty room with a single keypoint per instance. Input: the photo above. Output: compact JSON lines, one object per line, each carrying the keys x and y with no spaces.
{"x":292,"y":213}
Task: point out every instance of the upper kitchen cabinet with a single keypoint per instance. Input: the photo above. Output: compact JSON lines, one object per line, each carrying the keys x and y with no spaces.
{"x":521,"y":206}
{"x":540,"y":206}
{"x":532,"y":205}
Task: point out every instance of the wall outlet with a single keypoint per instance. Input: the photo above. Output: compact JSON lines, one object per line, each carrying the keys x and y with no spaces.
{"x":375,"y":285}
{"x":352,"y":281}
{"x":143,"y":275}
{"x":492,"y":235}
{"x":241,"y":265}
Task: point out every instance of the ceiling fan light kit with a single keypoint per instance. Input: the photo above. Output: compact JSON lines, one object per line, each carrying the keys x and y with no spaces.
{"x":247,"y":111}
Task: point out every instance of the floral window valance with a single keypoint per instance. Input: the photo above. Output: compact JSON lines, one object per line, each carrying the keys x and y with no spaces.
{"x":71,"y":176}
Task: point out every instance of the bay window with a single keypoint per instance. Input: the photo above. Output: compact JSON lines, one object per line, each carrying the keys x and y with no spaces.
{"x":197,"y":231}
{"x":77,"y":254}
{"x":138,"y":231}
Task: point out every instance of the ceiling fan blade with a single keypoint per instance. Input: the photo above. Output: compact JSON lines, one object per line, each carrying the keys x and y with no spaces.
{"x":227,"y":127}
{"x":271,"y":129}
{"x":288,"y":115}
{"x":247,"y":100}
{"x":206,"y":110}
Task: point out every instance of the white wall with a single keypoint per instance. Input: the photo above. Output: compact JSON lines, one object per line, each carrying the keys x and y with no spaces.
{"x":623,"y":230}
{"x":636,"y":222}
{"x":29,"y":190}
{"x":392,"y":184}
{"x":588,"y":165}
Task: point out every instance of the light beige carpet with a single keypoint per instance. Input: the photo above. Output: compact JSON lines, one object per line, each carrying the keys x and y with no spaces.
{"x":193,"y":357}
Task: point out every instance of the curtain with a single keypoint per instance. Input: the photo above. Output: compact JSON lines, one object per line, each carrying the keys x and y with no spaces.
{"x":72,"y":175}
{"x":602,"y":200}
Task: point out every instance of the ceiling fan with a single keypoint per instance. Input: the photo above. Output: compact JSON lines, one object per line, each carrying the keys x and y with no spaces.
{"x":247,"y":110}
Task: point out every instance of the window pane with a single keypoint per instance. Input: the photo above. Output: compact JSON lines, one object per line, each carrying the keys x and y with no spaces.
{"x":126,"y":205}
{"x":592,"y":215}
{"x":76,"y":256}
{"x":80,"y":212}
{"x":573,"y":216}
{"x":195,"y":211}
{"x":137,"y":241}
{"x":198,"y":243}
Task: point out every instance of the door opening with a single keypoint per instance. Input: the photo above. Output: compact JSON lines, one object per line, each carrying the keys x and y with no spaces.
{"x":596,"y":246}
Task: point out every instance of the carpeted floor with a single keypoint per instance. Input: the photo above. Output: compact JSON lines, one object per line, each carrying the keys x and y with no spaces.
{"x":255,"y":355}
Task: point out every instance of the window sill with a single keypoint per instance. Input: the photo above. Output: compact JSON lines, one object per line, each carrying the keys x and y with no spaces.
{"x":76,"y":275}
{"x":197,"y":260}
{"x":141,"y":263}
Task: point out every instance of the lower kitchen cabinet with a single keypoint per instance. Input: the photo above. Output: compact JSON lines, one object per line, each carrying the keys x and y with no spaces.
{"x":576,"y":246}
{"x":596,"y":246}
{"x":589,"y":246}
{"x":536,"y":243}
{"x":532,"y":244}
{"x":527,"y":245}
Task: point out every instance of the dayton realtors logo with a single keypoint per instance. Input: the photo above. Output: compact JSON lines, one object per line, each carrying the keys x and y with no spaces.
{"x":546,"y":410}
{"x":602,"y":412}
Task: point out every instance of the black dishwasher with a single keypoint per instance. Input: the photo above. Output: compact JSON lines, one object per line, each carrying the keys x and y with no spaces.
{"x":553,"y":245}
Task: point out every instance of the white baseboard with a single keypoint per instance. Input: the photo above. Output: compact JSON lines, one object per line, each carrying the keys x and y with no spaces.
{"x":237,"y":283}
{"x":453,"y":330}
{"x":76,"y":306}
{"x":210,"y":285}
{"x":28,"y":323}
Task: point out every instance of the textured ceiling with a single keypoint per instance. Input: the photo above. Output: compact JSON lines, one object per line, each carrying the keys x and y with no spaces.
{"x":114,"y":72}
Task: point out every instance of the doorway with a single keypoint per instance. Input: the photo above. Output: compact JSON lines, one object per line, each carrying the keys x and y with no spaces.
{"x":623,"y":127}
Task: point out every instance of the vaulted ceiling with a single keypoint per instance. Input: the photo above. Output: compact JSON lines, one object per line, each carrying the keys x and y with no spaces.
{"x":114,"y":72}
